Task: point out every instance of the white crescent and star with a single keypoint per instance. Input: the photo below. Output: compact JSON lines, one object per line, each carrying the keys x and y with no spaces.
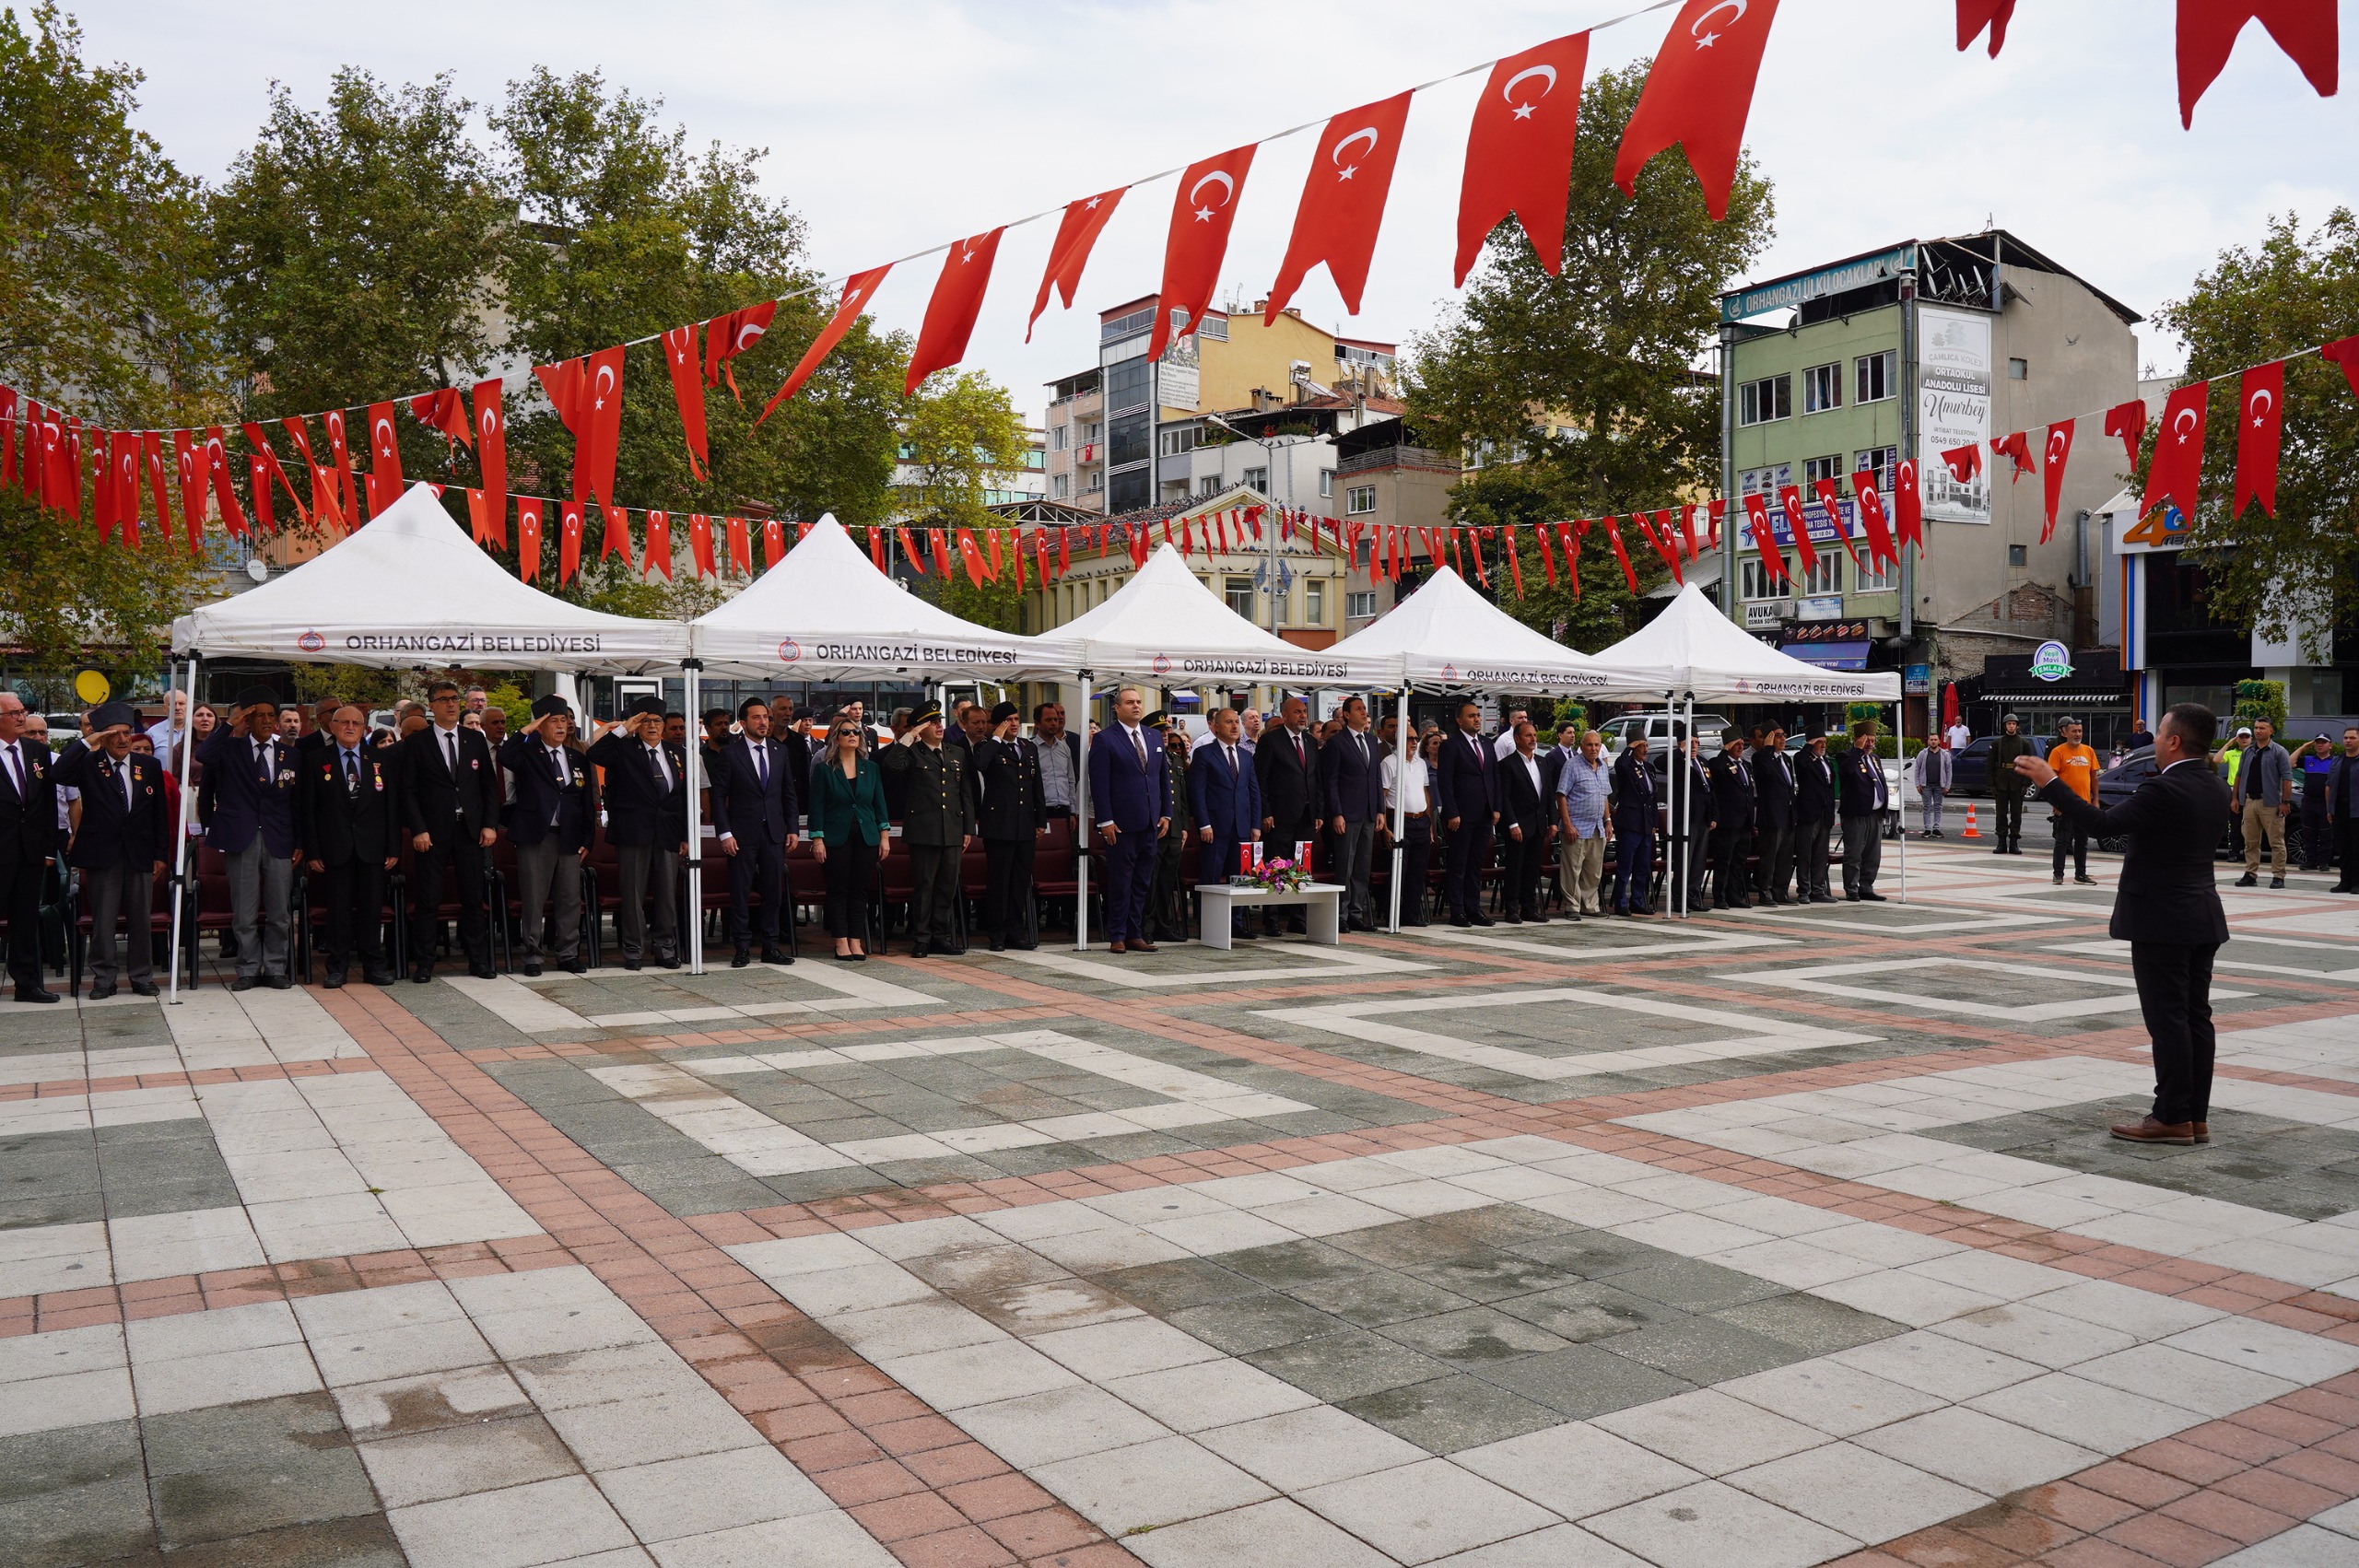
{"x":2259,"y":404}
{"x":1548,"y":74}
{"x":1335,"y":154}
{"x":1706,"y":39}
{"x":746,"y":333}
{"x":2178,"y":430}
{"x":605,"y":375}
{"x":385,"y":428}
{"x":1228,"y":191}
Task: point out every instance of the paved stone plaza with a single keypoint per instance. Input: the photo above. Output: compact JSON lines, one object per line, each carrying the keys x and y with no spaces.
{"x":1768,"y":1238}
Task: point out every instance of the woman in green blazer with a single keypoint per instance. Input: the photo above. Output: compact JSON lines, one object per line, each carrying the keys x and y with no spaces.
{"x":847,"y":827}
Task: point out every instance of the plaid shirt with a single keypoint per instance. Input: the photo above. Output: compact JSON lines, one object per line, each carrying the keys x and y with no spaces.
{"x":1584,"y":787}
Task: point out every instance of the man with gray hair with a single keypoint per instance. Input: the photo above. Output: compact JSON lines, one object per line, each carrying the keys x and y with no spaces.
{"x":1582,"y":805}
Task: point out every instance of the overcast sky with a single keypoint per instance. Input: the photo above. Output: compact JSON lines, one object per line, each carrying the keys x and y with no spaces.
{"x":897,"y":124}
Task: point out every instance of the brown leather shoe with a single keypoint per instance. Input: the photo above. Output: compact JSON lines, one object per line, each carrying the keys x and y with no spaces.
{"x":2203,"y":1132}
{"x":1113,"y":947}
{"x":1143,"y":947}
{"x":2146,"y":1129}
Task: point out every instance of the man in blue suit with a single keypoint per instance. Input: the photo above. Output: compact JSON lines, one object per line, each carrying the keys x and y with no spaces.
{"x":250,"y":778}
{"x":1466,"y":787}
{"x":752,"y":812}
{"x":1226,"y":802}
{"x":552,"y":823}
{"x":1130,"y":794}
{"x":1353,"y":765}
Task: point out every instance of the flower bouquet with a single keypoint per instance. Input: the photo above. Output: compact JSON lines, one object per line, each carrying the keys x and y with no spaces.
{"x":1278,"y":876}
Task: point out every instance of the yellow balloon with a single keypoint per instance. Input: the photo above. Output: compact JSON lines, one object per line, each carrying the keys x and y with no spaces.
{"x":91,"y":687}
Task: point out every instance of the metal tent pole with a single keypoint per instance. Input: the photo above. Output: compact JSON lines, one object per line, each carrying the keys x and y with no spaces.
{"x":180,"y":837}
{"x":1399,"y":798}
{"x":1081,"y":827}
{"x":1900,"y":799}
{"x":695,"y":912}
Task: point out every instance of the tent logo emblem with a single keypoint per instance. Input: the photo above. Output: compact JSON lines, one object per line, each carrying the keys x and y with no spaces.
{"x":789,"y":651}
{"x":2051,"y":661}
{"x":1163,"y":664}
{"x":1450,"y":671}
{"x":311,"y":642}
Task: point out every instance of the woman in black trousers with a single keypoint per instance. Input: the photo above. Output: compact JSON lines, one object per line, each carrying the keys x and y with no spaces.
{"x":846,"y":828}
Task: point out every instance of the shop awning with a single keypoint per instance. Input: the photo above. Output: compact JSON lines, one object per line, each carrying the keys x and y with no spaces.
{"x":1829,"y":655}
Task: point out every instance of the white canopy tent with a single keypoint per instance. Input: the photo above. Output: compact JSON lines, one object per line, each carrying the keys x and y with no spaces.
{"x":1691,"y":650}
{"x":409,"y":589}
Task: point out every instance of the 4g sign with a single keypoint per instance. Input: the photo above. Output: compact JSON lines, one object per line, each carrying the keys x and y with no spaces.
{"x":2166,"y":528}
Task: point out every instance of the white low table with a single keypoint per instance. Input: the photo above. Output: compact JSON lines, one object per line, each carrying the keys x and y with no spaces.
{"x":1219,"y":904}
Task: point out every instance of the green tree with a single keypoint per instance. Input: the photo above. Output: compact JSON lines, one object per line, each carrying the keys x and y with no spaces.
{"x":2295,"y":291}
{"x":1520,"y":495}
{"x":961,"y":438}
{"x":1587,"y":384}
{"x":103,"y":310}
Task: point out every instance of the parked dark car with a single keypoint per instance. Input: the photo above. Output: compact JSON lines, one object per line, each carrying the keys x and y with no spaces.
{"x":1970,"y":769}
{"x":2121,"y":780}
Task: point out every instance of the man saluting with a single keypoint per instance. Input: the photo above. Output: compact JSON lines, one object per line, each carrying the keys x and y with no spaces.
{"x":2167,"y":911}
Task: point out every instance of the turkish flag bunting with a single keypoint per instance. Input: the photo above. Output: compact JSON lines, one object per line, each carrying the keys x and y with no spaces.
{"x":348,"y":491}
{"x":950,"y":313}
{"x":383,"y":491}
{"x":479,"y":516}
{"x":1660,"y":536}
{"x":2128,"y":420}
{"x":1065,"y":550}
{"x":991,"y":571}
{"x":7,"y":433}
{"x":62,"y":468}
{"x":2178,"y":453}
{"x":701,"y":544}
{"x":2305,"y":30}
{"x":1475,"y":548}
{"x":1016,"y":544}
{"x":569,"y":541}
{"x":1514,"y":565}
{"x":1202,"y":212}
{"x":602,"y":412}
{"x":528,"y":538}
{"x":1756,"y":517}
{"x":2059,"y":447}
{"x":1569,"y":543}
{"x":658,"y":557}
{"x":323,"y":500}
{"x":257,"y":491}
{"x":614,"y":538}
{"x":2344,"y":351}
{"x":189,"y":469}
{"x":687,"y":393}
{"x":2016,"y":446}
{"x":1077,"y":231}
{"x":741,"y":547}
{"x":259,"y":438}
{"x":384,"y":454}
{"x":1871,"y":519}
{"x":911,"y":550}
{"x":491,"y":456}
{"x":1713,"y":515}
{"x":1547,"y":555}
{"x":102,"y":493}
{"x":1698,"y":93}
{"x":126,"y":460}
{"x":940,"y":539}
{"x":1614,"y":537}
{"x":1830,"y":501}
{"x":1519,"y":151}
{"x":34,"y":465}
{"x":1343,"y":202}
{"x":971,"y":557}
{"x":878,"y":544}
{"x":152,"y":452}
{"x":2259,"y":424}
{"x":1790,"y":501}
{"x":1973,"y":15}
{"x":728,"y":335}
{"x":1964,"y":462}
{"x":857,"y":291}
{"x":440,"y":410}
{"x":1908,"y":506}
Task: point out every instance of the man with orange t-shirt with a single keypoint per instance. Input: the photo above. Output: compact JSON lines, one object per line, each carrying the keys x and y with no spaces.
{"x":2076,"y":766}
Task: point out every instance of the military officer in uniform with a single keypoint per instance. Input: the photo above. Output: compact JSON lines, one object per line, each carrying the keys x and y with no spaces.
{"x":347,"y":817}
{"x":937,"y":821}
{"x":1167,"y":915}
{"x":1015,"y":815}
{"x":647,"y":822}
{"x":120,"y":845}
{"x":551,"y":826}
{"x":1731,"y":785}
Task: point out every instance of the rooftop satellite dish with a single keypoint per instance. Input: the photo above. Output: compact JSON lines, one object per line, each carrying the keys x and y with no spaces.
{"x":258,"y":570}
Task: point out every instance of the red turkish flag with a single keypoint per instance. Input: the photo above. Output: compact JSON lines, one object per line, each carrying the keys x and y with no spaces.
{"x":324,"y":510}
{"x":1660,"y":538}
{"x":701,"y":544}
{"x":950,"y":313}
{"x":1756,"y":517}
{"x":1908,"y":506}
{"x":2128,"y":420}
{"x":259,"y":438}
{"x":730,"y":334}
{"x":440,"y":411}
{"x":741,"y":547}
{"x":1343,"y":202}
{"x":2344,"y":351}
{"x":615,"y":537}
{"x":940,"y":539}
{"x":125,"y":460}
{"x":1871,"y":518}
{"x":1790,"y":501}
{"x":587,"y":395}
{"x":257,"y":491}
{"x":2059,"y":451}
{"x":1698,"y":93}
{"x":1078,"y":233}
{"x":347,"y":489}
{"x":385,"y":450}
{"x":773,"y":543}
{"x":1830,"y":501}
{"x":1614,"y":537}
{"x":491,"y":456}
{"x":1519,"y":151}
{"x":62,"y":474}
{"x":911,"y":550}
{"x":102,"y":492}
{"x":224,"y":493}
{"x":7,"y":433}
{"x":568,"y":542}
{"x":687,"y":393}
{"x":528,"y":538}
{"x":1568,"y":542}
{"x":188,"y":464}
{"x":1200,"y":214}
{"x":152,"y":452}
{"x":2305,"y":30}
{"x":971,"y":557}
{"x":1973,"y":15}
{"x":2178,"y":453}
{"x":1964,"y":462}
{"x":659,"y":546}
{"x":479,"y":517}
{"x":2260,"y":418}
{"x":857,"y":291}
{"x":2018,"y":446}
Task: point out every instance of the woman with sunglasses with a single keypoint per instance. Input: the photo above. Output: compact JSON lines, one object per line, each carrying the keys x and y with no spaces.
{"x":848,"y":829}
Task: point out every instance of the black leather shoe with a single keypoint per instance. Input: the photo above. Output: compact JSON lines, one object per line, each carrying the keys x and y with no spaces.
{"x":145,"y":987}
{"x":999,"y":944}
{"x":1482,"y":920}
{"x":38,"y":993}
{"x":335,"y":981}
{"x":532,"y":968}
{"x":381,"y":977}
{"x":101,"y":990}
{"x":917,"y":950}
{"x":483,"y":971}
{"x":243,"y":983}
{"x":577,"y":965}
{"x":667,"y":961}
{"x":633,"y":964}
{"x":1872,"y":898}
{"x":776,"y":955}
{"x":281,"y":982}
{"x":422,"y":974}
{"x":740,"y":959}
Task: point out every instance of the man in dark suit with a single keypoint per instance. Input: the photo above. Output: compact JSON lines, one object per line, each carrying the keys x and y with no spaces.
{"x":1225,"y":798}
{"x":1733,"y":807}
{"x":347,"y":817}
{"x":1523,"y":814}
{"x":449,"y":795}
{"x":1815,"y":817}
{"x":2343,"y":813}
{"x":120,"y":844}
{"x":2167,"y":911}
{"x":1012,"y":819}
{"x":1129,"y":796}
{"x":250,"y":778}
{"x":1354,"y":793}
{"x":1167,"y":917}
{"x":645,"y":788}
{"x":551,"y":826}
{"x":1862,"y":795}
{"x":1634,"y":830}
{"x":797,"y":748}
{"x":1773,"y":816}
{"x":1285,"y":764}
{"x":1466,"y":792}
{"x":27,"y":844}
{"x":753,"y":808}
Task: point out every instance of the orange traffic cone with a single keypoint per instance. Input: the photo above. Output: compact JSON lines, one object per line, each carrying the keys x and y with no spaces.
{"x":1970,"y":831}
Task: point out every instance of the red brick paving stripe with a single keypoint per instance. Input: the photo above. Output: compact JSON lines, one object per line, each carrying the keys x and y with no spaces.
{"x":259,"y":1073}
{"x":831,"y":1413}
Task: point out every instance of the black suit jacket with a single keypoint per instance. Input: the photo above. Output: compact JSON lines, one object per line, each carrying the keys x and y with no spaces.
{"x":339,"y":824}
{"x":1633,"y":795}
{"x":1466,"y":779}
{"x":1353,"y":767}
{"x":111,"y":833}
{"x":2169,"y":892}
{"x":1008,"y":772}
{"x":1859,"y":778}
{"x":540,"y":797}
{"x":1731,"y":790}
{"x":742,"y":808}
{"x":1524,"y":802}
{"x":1813,"y":788}
{"x":1288,"y":777}
{"x":1774,"y":788}
{"x":638,"y":809}
{"x":435,"y":801}
{"x":242,"y":796}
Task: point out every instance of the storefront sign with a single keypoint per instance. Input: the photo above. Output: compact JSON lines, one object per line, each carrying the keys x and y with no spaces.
{"x":1917,"y":680}
{"x":1953,"y":410}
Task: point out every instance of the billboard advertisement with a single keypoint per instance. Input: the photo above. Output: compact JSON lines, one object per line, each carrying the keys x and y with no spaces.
{"x":1953,"y":410}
